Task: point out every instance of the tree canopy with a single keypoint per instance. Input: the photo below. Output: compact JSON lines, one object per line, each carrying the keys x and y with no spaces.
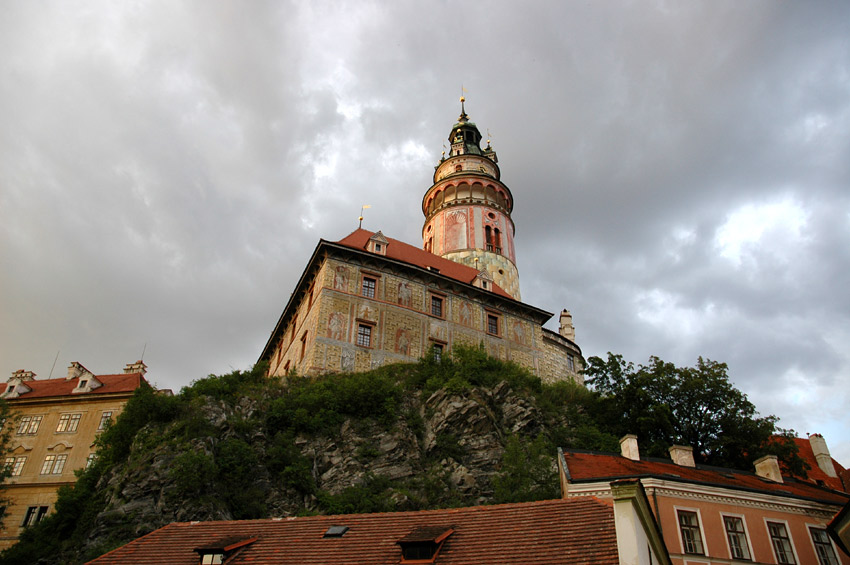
{"x":696,"y":406}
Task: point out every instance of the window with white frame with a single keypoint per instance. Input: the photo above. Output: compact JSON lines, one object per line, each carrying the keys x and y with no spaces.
{"x":364,"y":335}
{"x":54,"y":464}
{"x":68,"y":423}
{"x":823,"y":547}
{"x":91,"y":459}
{"x":105,"y":419}
{"x":15,"y":465}
{"x":368,"y":287}
{"x":737,"y":536}
{"x":29,"y":425}
{"x":781,"y":543}
{"x":691,"y":535}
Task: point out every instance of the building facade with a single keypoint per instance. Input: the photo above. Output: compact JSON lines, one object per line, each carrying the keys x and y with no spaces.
{"x":368,"y":300}
{"x":710,"y":515}
{"x":54,"y":426}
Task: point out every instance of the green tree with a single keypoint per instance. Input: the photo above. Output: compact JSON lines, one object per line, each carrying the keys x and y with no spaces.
{"x":528,"y":471}
{"x":7,"y":425}
{"x":697,"y":406}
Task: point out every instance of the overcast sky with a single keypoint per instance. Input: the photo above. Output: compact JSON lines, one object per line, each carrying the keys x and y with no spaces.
{"x":681,"y":174}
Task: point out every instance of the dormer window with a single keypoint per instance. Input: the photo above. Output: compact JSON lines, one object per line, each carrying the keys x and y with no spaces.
{"x":423,"y":544}
{"x":87,"y":383}
{"x":378,"y":244}
{"x":217,"y":552}
{"x":83,"y":384}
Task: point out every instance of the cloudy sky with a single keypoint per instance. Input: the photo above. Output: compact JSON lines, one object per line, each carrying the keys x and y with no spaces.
{"x":681,"y":172}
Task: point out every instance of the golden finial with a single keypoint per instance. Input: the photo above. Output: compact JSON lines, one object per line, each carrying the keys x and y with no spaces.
{"x":361,"y":213}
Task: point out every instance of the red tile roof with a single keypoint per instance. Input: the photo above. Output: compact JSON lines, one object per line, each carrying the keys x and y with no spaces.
{"x":48,"y":388}
{"x":575,"y":531}
{"x":400,"y":251}
{"x":815,"y":473}
{"x":605,"y":467}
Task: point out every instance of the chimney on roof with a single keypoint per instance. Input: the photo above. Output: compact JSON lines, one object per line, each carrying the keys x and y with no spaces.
{"x":768,"y":467}
{"x":682,"y":455}
{"x":566,"y":328}
{"x":822,"y":454}
{"x":137,"y":367}
{"x":76,"y":370}
{"x":629,"y":447}
{"x":22,"y":376}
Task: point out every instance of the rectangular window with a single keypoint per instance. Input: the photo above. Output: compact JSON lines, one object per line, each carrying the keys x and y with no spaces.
{"x":368,"y":288}
{"x":68,"y":423}
{"x":738,"y":546}
{"x":303,"y":347}
{"x":823,"y":547}
{"x":90,"y":460}
{"x":15,"y":465}
{"x":781,"y":543}
{"x":34,"y":515}
{"x":492,"y":324}
{"x":437,"y":306}
{"x":364,"y":335}
{"x":53,"y":464}
{"x":571,"y":362}
{"x":691,"y":536}
{"x":438,"y":352}
{"x":105,"y":420}
{"x":29,"y":425}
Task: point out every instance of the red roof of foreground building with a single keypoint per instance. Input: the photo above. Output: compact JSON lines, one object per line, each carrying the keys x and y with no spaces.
{"x":49,"y":388}
{"x":575,"y":531}
{"x":815,"y":473}
{"x":583,"y":467}
{"x":400,"y":251}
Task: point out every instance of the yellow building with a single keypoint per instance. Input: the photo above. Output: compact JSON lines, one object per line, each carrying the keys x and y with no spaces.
{"x":368,"y":300}
{"x":55,"y":424}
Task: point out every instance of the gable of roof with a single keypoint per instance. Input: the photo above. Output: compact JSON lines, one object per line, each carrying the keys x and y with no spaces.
{"x":111,"y":384}
{"x":585,"y":467}
{"x":579,"y":530}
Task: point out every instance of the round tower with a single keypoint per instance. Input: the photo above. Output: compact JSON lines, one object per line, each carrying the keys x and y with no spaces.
{"x":468,"y":209}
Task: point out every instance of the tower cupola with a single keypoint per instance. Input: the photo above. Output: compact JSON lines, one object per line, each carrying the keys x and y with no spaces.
{"x":468,"y":208}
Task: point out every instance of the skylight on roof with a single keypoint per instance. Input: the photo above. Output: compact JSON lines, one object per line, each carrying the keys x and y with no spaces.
{"x":335,"y":532}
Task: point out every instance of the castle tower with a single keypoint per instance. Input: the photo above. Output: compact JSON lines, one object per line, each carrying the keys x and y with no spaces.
{"x":468,"y":209}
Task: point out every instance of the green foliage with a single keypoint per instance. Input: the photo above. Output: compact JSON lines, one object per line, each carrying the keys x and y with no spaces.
{"x":469,"y":367}
{"x":370,"y":496}
{"x":528,"y":471}
{"x":697,"y":406}
{"x":192,"y":473}
{"x":447,"y":446}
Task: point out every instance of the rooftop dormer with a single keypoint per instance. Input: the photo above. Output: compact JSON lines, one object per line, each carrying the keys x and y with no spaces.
{"x":219,"y":551}
{"x":16,"y":385}
{"x":378,"y":244}
{"x":423,"y":544}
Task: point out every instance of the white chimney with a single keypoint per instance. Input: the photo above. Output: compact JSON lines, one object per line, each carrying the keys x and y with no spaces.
{"x":682,"y":455}
{"x":822,"y":454}
{"x":768,"y":468}
{"x":137,"y":367}
{"x":76,"y":370}
{"x":629,"y":447}
{"x":566,"y":328}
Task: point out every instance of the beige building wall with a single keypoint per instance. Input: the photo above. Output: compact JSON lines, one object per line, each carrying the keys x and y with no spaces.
{"x":36,"y":485}
{"x":322,"y":336}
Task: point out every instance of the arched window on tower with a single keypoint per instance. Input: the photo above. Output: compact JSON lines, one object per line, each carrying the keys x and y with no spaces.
{"x":488,"y":237}
{"x":497,"y":241}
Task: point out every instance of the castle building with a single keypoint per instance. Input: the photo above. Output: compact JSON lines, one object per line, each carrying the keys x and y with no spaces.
{"x":53,"y":427}
{"x":368,"y":300}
